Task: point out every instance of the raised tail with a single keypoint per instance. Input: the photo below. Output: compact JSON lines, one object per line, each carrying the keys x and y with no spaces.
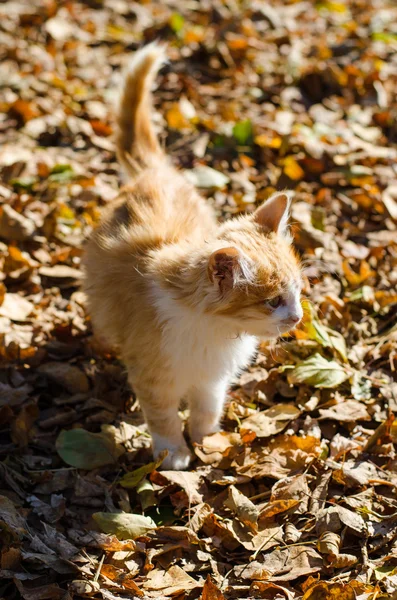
{"x":137,"y":144}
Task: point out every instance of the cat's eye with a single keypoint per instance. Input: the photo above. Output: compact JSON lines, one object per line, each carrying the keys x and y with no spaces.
{"x":275,"y":302}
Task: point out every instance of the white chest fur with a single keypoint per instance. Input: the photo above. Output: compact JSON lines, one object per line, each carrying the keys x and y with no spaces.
{"x":198,"y":347}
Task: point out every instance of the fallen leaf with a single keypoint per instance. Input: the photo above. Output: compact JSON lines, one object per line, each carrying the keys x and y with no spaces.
{"x":15,"y":307}
{"x":242,"y":131}
{"x":332,"y":518}
{"x":85,"y":450}
{"x":271,"y":421}
{"x":347,"y":411}
{"x":125,"y":580}
{"x":133,"y":478}
{"x":328,"y":591}
{"x":51,"y":591}
{"x":22,"y":425}
{"x":190,"y":482}
{"x":170,"y":583}
{"x":60,"y":272}
{"x":67,"y":375}
{"x":206,"y":177}
{"x":319,"y":372}
{"x":11,"y":522}
{"x":292,"y":169}
{"x":269,"y":591}
{"x":329,"y":543}
{"x":210,"y":591}
{"x":289,"y":563}
{"x":242,"y":507}
{"x":124,"y":526}
{"x":14,"y":226}
{"x":176,"y":119}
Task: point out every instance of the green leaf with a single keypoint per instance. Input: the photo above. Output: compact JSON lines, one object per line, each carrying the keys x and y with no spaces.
{"x":146,"y":494}
{"x":323,"y":335}
{"x":61,"y":168}
{"x":85,"y":450}
{"x":176,"y":22}
{"x":384,"y":36}
{"x":242,"y":132}
{"x":319,"y":372}
{"x":205,"y":177}
{"x":318,"y":218}
{"x":385,"y":571}
{"x":62,"y":173}
{"x":125,"y":526}
{"x":320,"y":334}
{"x":364,"y":294}
{"x":132,"y":479}
{"x":23,"y":183}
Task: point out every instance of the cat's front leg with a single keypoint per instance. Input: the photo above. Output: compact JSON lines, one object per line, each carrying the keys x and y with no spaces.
{"x":161,"y":414}
{"x":206,"y":402}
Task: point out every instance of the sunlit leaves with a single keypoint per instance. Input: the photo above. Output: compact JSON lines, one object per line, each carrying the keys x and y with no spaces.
{"x":123,"y":525}
{"x":242,"y":132}
{"x":319,"y":372}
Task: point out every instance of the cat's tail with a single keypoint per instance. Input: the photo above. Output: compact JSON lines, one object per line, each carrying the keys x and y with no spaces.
{"x":137,"y":144}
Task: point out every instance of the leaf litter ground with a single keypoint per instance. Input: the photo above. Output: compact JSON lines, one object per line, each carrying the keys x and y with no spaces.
{"x":297,"y":497}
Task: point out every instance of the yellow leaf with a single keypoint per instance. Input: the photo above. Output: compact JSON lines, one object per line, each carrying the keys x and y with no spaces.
{"x":175,"y":118}
{"x":292,"y":169}
{"x":195,"y":34}
{"x":266,"y":141}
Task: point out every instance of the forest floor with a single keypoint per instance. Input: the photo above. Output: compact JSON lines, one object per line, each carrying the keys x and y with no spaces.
{"x":297,"y":497}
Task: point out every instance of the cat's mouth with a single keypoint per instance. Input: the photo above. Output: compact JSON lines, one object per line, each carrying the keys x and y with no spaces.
{"x":287,"y":326}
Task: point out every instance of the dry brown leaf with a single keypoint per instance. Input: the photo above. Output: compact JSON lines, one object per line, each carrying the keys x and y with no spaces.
{"x":292,"y":488}
{"x":334,"y":517}
{"x":190,"y":482}
{"x":210,"y":591}
{"x":289,"y":563}
{"x":329,"y":543}
{"x":277,"y":507}
{"x":271,"y":421}
{"x":10,"y":519}
{"x":269,"y":591}
{"x":169,"y":583}
{"x":125,"y":580}
{"x":242,"y":507}
{"x":347,"y":411}
{"x":331,"y":591}
{"x":353,"y":474}
{"x":21,"y":427}
{"x":216,"y":447}
{"x":67,"y":375}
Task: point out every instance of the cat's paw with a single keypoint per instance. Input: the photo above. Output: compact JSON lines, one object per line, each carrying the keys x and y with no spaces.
{"x":178,"y":459}
{"x":179,"y":456}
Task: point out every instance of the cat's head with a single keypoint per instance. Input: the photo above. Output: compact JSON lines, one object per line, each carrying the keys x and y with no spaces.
{"x":255,"y":274}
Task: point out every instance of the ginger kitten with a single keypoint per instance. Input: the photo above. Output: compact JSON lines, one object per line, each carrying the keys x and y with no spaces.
{"x":184,"y":298}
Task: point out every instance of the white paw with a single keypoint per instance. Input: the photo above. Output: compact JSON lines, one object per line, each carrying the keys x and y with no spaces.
{"x":178,"y":459}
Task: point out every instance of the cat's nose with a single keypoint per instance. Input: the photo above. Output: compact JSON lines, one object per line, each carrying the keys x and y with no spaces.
{"x":293,"y":319}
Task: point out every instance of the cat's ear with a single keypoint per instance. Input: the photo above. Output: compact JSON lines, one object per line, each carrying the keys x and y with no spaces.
{"x":273,"y":214}
{"x":223,"y":266}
